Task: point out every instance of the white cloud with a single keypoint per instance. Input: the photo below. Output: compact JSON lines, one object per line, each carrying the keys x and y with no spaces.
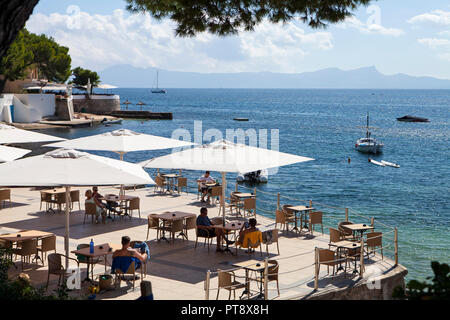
{"x":99,"y":41}
{"x":439,"y":45}
{"x":366,"y":28}
{"x":437,"y":17}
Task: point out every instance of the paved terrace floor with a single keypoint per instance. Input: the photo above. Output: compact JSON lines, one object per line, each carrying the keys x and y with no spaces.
{"x":176,"y":271}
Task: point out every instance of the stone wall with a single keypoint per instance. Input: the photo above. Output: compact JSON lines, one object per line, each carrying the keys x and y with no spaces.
{"x":96,"y":104}
{"x":381,"y":289}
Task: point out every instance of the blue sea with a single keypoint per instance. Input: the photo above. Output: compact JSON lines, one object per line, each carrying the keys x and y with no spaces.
{"x":324,"y":125}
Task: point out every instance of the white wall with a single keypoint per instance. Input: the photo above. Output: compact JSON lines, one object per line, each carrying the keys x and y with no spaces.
{"x":45,"y":103}
{"x":6,"y":102}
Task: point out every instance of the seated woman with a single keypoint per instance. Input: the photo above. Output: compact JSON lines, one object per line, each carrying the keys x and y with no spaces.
{"x":119,"y":256}
{"x":247,"y":228}
{"x":100,"y":210}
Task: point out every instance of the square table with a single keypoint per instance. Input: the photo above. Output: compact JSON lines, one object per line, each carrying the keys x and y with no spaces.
{"x":252,"y":265}
{"x":54,"y":192}
{"x":348,"y":246}
{"x":173,"y":216}
{"x":116,"y":198}
{"x":26,"y":235}
{"x":172,"y":177}
{"x":230,"y":226}
{"x":241,"y":196}
{"x":304,"y":210}
{"x":359,"y":227}
{"x":101,"y":250}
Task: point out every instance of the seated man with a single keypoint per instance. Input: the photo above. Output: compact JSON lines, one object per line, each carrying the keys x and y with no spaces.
{"x":206,"y":228}
{"x":100,"y":211}
{"x":137,"y":256}
{"x":202,"y":181}
{"x":110,"y":206}
{"x":247,"y":228}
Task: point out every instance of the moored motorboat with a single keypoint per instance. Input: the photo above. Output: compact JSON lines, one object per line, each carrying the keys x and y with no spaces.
{"x":390,"y":164}
{"x":409,"y":118}
{"x":260,"y":176}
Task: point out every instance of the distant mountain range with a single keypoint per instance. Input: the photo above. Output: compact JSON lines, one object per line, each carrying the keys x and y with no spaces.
{"x":126,"y":76}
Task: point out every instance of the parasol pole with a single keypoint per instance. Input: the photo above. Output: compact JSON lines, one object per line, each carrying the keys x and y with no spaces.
{"x":66,"y":237}
{"x":224,"y":186}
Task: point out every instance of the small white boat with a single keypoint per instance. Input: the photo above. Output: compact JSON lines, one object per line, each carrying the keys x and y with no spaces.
{"x":390,"y":164}
{"x":109,"y":122}
{"x":377,"y":163}
{"x":260,"y":176}
{"x":369,"y":144}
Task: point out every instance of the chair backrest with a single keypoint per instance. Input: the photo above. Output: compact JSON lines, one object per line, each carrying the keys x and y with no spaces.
{"x":224,"y":278}
{"x":280,"y":217}
{"x":48,"y":243}
{"x":335,"y":235}
{"x":28,"y":247}
{"x":153,"y":221}
{"x":90,"y":208}
{"x":216,"y":191}
{"x":133,"y":243}
{"x":275,"y":235}
{"x":316,"y":217}
{"x":177,"y":225}
{"x":159,"y":181}
{"x":252,"y":239}
{"x":326,"y":256}
{"x":46,"y":196}
{"x":182,"y":182}
{"x":191,"y":223}
{"x":273,"y":270}
{"x":5,"y":194}
{"x":61,"y":198}
{"x":135,"y":203}
{"x":116,"y":261}
{"x":288,"y":211}
{"x":250,"y":204}
{"x":374,"y":239}
{"x":343,"y":229}
{"x":75,"y":195}
{"x":54,"y":263}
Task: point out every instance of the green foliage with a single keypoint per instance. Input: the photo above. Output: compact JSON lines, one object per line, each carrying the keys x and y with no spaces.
{"x":81,"y":76}
{"x":52,"y":60}
{"x":438,"y":289}
{"x":14,"y":64}
{"x":225,"y":17}
{"x":20,"y":288}
{"x":30,"y":50}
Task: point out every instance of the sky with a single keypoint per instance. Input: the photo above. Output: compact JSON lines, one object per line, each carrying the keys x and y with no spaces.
{"x":401,"y":36}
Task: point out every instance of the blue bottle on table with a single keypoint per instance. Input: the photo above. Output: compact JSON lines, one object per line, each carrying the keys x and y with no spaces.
{"x":91,"y":246}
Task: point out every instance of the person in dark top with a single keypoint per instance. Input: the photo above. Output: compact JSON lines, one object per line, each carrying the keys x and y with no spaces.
{"x":206,"y":228}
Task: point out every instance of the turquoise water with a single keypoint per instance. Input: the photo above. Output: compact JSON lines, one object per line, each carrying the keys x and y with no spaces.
{"x":323,"y":124}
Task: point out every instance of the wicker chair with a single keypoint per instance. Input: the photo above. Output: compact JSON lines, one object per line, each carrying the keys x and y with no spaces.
{"x":208,"y":238}
{"x":374,"y":241}
{"x":47,"y":244}
{"x":60,"y":200}
{"x":216,"y":193}
{"x":160,"y":183}
{"x":182,"y":183}
{"x":290,"y":216}
{"x":55,"y":267}
{"x":143,"y":267}
{"x":134,"y":204}
{"x":227,"y":281}
{"x":335,"y":236}
{"x":90,"y":209}
{"x":5,"y":194}
{"x":176,"y":226}
{"x":274,"y":239}
{"x":250,"y":207}
{"x":190,"y":223}
{"x":315,"y":218}
{"x":47,"y":198}
{"x":75,"y":197}
{"x":272,"y":274}
{"x":26,"y":250}
{"x":131,"y":271}
{"x":153,"y":223}
{"x":345,"y":232}
{"x":330,"y":259}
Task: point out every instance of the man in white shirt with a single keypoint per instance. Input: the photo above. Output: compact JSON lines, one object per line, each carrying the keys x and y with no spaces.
{"x":202,"y":181}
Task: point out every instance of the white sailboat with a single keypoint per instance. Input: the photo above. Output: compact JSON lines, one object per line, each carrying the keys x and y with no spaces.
{"x":158,"y":90}
{"x":369,"y":144}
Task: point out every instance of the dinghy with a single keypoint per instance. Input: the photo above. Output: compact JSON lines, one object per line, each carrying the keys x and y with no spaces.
{"x":377,"y":163}
{"x":261,"y":176}
{"x":390,"y":164}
